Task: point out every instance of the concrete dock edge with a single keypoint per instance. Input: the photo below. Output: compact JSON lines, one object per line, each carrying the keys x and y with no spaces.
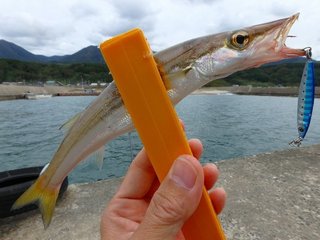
{"x":270,"y":196}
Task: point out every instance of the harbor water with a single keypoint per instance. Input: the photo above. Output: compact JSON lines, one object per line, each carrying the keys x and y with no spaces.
{"x":228,"y":125}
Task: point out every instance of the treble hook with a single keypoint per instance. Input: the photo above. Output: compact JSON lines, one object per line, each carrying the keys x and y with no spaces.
{"x":308,"y":52}
{"x":296,"y":142}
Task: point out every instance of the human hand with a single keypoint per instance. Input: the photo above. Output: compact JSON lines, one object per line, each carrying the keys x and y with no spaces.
{"x":144,"y":209}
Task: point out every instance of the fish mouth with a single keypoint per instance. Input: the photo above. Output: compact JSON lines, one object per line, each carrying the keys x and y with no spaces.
{"x":271,"y":42}
{"x":282,"y":35}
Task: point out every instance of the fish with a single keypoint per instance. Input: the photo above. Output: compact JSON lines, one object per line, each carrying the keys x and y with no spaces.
{"x":305,"y":100}
{"x":184,"y":68}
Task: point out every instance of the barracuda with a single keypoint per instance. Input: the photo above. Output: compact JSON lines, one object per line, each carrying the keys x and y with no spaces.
{"x":184,"y":68}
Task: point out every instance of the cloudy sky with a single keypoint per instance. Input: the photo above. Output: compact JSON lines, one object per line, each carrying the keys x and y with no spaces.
{"x":58,"y":27}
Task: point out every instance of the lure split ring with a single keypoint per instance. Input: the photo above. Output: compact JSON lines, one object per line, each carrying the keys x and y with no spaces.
{"x":308,"y":51}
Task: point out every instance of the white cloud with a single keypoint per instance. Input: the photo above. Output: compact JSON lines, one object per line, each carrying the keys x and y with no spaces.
{"x":55,"y":27}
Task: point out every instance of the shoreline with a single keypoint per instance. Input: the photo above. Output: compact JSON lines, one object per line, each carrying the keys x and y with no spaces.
{"x":13,"y":92}
{"x":257,"y":91}
{"x":273,"y":195}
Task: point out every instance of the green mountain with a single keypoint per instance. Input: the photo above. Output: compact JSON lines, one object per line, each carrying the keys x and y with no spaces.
{"x":9,"y":50}
{"x":89,"y":54}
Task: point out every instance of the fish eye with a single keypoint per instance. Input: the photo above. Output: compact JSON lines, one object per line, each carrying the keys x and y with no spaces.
{"x":240,"y":40}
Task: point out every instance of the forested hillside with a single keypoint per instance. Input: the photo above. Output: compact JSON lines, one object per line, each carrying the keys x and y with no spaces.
{"x":16,"y":71}
{"x":273,"y":75}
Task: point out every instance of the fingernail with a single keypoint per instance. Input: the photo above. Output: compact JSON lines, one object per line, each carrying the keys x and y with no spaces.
{"x":183,"y":174}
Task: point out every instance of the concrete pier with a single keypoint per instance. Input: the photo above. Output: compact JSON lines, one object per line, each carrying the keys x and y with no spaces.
{"x":271,"y":196}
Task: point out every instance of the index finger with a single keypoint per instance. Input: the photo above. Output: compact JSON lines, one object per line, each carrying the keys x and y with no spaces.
{"x":138,"y":179}
{"x":141,"y":175}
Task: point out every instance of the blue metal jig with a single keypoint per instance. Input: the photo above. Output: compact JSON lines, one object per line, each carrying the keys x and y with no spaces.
{"x":305,"y":99}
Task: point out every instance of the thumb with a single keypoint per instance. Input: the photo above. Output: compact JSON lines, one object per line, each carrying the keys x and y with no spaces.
{"x":174,"y":202}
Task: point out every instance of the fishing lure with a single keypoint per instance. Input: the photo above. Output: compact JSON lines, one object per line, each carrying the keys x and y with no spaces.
{"x":305,"y":100}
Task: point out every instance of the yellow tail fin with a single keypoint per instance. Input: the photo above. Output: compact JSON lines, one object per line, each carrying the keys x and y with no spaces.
{"x":41,"y":194}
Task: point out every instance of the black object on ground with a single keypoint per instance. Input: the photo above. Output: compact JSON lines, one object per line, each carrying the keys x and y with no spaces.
{"x":15,"y":182}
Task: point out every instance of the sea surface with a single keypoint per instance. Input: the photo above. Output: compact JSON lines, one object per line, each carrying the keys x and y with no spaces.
{"x":229,"y":126}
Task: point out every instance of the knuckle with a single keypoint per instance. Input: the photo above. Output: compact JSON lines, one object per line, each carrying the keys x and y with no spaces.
{"x":168,"y":209}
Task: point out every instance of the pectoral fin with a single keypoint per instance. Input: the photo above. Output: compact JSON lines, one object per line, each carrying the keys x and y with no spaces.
{"x":179,"y":74}
{"x":99,"y":154}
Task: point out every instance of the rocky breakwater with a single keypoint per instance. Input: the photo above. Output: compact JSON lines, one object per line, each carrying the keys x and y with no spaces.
{"x":265,"y":91}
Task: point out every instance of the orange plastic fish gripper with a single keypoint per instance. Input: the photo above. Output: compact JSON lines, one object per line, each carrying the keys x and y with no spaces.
{"x":135,"y":72}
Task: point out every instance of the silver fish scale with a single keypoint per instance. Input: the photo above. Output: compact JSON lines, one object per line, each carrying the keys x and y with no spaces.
{"x":114,"y":112}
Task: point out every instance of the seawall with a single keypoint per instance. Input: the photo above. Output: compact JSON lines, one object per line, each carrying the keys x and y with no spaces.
{"x":260,"y":91}
{"x":270,"y":196}
{"x":11,"y":92}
